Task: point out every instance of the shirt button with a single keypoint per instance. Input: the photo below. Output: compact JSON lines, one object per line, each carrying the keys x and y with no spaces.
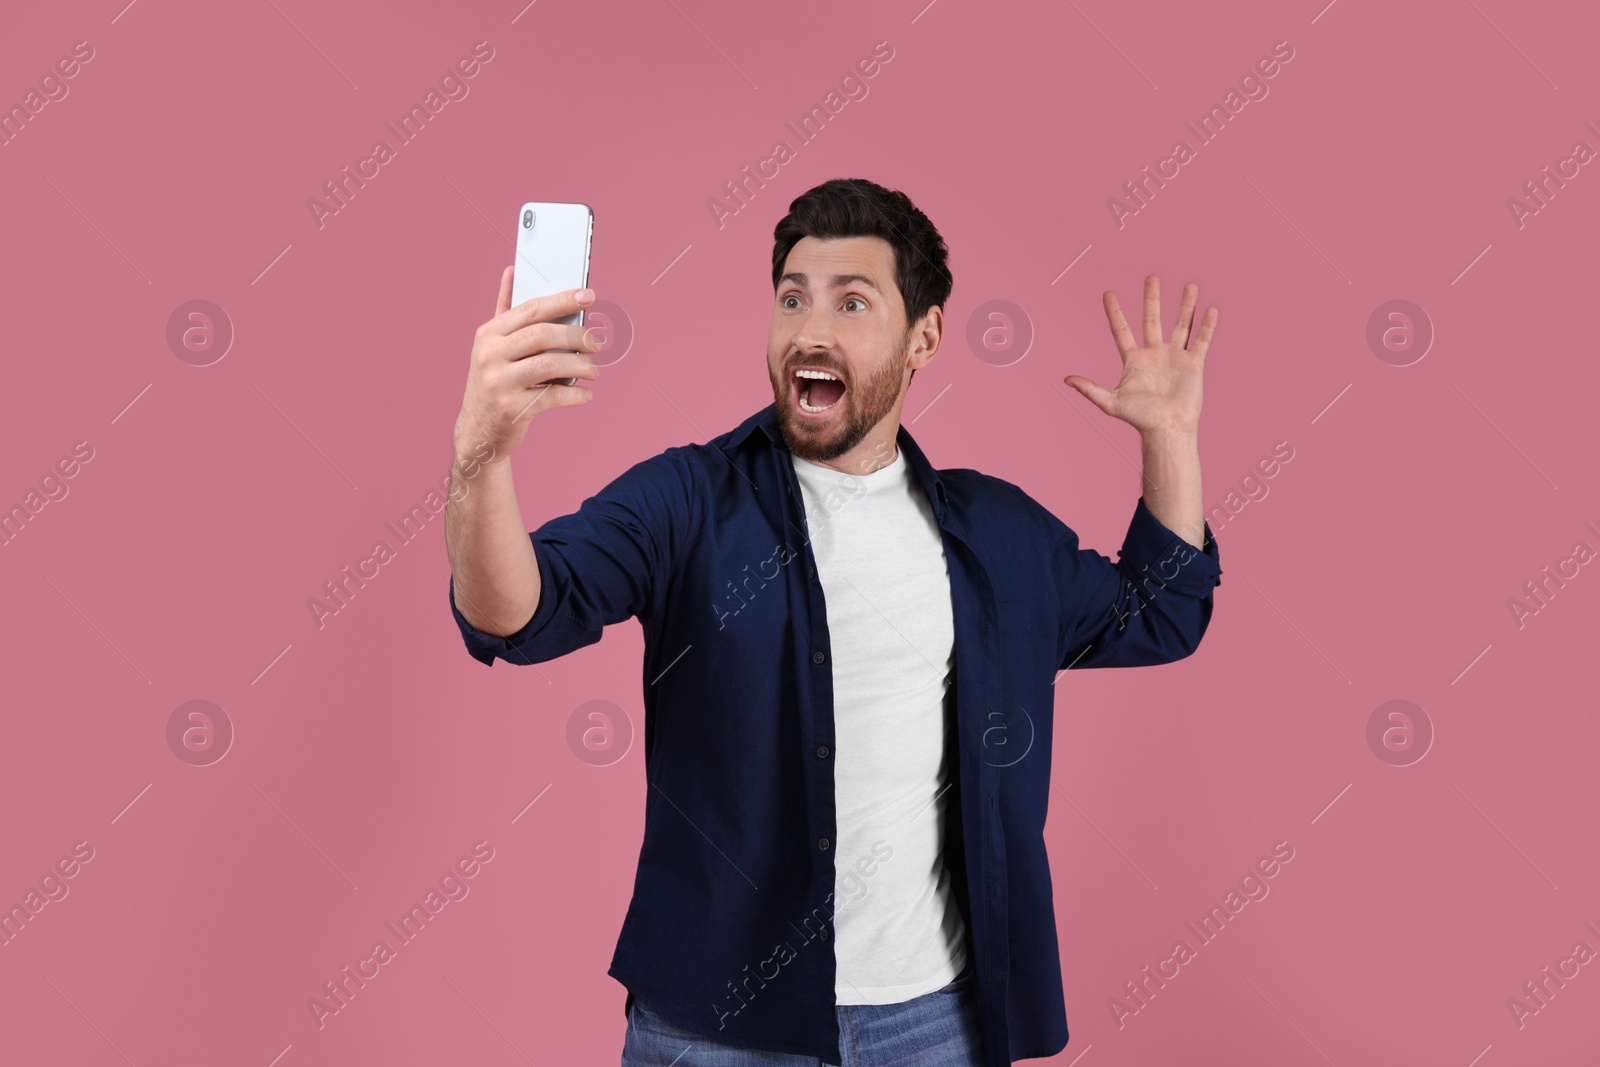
{"x":825,"y":934}
{"x":823,"y":844}
{"x":811,"y":572}
{"x":822,"y":751}
{"x":818,"y":657}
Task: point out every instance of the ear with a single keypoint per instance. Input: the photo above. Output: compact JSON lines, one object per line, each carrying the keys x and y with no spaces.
{"x":925,"y":338}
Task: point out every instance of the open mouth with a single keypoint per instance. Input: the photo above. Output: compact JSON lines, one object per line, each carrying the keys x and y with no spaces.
{"x":816,"y":393}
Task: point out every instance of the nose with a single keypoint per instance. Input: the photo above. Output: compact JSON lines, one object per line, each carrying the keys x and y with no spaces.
{"x":816,"y":332}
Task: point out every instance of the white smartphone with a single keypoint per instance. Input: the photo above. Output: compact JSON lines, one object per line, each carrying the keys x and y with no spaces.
{"x":552,"y":255}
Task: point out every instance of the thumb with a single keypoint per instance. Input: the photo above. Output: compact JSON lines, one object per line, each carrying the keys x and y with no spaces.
{"x":1101,"y":398}
{"x":502,"y":303}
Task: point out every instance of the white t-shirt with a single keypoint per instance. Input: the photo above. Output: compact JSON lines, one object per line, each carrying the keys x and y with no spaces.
{"x":898,"y":933}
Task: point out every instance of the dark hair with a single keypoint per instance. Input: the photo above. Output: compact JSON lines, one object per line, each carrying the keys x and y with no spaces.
{"x":855,"y":207}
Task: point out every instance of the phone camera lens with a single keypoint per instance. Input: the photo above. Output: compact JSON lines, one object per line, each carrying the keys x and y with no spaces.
{"x":527,"y":219}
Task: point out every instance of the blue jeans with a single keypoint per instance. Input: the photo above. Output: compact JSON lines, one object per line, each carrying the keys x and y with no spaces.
{"x":938,"y":1029}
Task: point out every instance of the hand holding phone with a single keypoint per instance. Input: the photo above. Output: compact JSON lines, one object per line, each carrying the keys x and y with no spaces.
{"x":521,"y":361}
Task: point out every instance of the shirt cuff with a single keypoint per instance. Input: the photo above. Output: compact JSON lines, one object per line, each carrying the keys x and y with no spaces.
{"x":487,"y":647}
{"x":1156,"y":554}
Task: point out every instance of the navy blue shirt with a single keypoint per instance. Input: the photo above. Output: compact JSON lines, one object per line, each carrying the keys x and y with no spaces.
{"x":729,"y":930}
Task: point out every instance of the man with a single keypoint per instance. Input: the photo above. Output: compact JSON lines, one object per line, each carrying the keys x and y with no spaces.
{"x":849,"y":657}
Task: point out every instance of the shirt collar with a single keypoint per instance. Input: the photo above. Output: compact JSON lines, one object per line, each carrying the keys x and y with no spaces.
{"x":766,"y":421}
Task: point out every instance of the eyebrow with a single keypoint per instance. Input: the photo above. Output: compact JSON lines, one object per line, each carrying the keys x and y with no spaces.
{"x":839,"y":280}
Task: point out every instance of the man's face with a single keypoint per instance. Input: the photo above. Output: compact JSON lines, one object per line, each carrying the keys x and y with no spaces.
{"x":837,"y":310}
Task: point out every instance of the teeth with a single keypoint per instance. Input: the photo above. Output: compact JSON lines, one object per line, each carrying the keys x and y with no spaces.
{"x":808,"y":407}
{"x":805,"y":404}
{"x":805,"y":374}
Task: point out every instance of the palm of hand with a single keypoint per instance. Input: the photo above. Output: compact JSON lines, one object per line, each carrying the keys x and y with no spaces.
{"x":1160,"y":388}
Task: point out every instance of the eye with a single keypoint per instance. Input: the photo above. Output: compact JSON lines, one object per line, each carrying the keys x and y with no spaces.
{"x":856,"y":300}
{"x":786,"y":301}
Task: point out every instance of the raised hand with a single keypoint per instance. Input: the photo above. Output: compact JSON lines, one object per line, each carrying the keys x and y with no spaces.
{"x":1160,"y":388}
{"x":522,"y":363}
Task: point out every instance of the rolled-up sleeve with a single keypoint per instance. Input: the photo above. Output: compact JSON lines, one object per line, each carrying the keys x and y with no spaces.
{"x":1151,"y":606}
{"x":606,"y":562}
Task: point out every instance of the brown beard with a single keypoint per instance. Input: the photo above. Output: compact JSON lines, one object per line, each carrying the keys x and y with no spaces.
{"x":869,"y":401}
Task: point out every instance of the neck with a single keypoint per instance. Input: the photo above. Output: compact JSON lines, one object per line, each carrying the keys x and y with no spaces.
{"x":874,"y":452}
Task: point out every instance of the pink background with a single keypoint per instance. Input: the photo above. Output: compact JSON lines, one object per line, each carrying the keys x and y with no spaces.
{"x":372,"y":753}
